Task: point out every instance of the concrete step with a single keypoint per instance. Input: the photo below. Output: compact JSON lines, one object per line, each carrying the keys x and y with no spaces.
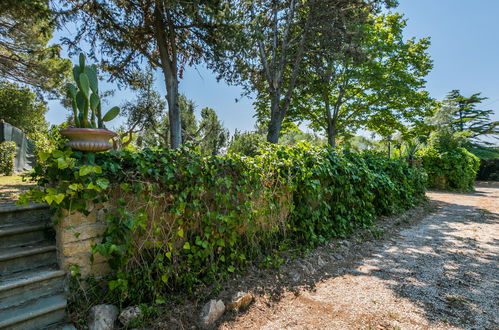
{"x":36,"y":314}
{"x":24,"y":234}
{"x":27,"y":257}
{"x":18,"y":288}
{"x":12,"y":214}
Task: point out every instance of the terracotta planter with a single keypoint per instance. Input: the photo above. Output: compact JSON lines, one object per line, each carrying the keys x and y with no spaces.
{"x":88,"y":139}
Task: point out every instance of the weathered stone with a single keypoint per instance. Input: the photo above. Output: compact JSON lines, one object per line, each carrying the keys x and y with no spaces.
{"x":80,"y":233}
{"x":321,"y":262}
{"x":78,"y":247}
{"x":129,"y":314}
{"x":211,"y":312}
{"x":240,"y":300}
{"x":295,"y":276}
{"x":102,"y":317}
{"x":307,"y":267}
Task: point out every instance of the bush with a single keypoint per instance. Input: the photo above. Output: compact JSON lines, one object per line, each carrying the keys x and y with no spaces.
{"x":7,"y":157}
{"x":181,"y":221}
{"x":489,"y":170}
{"x":454,"y":169}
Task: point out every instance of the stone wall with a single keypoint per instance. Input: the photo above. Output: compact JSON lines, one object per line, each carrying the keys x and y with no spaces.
{"x":75,"y":234}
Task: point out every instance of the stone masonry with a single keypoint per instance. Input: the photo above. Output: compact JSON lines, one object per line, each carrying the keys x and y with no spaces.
{"x":76,"y":233}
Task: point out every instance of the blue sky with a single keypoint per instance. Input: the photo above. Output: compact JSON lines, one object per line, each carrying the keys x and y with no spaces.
{"x":465,"y":51}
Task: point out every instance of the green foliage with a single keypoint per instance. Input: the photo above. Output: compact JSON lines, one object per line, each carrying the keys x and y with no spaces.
{"x":21,"y":107}
{"x":7,"y":154}
{"x":465,"y":116}
{"x":450,"y":168}
{"x":489,"y":170}
{"x":484,"y":152}
{"x":26,"y":29}
{"x":85,"y":98}
{"x":180,"y":220}
{"x":247,"y":143}
{"x":379,"y":85}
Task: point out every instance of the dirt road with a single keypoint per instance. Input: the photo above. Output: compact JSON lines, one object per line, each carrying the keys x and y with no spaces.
{"x":439,"y":273}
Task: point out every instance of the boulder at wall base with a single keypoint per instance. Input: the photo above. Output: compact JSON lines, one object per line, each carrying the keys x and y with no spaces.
{"x":211,"y":312}
{"x":102,"y":317}
{"x":240,"y":300}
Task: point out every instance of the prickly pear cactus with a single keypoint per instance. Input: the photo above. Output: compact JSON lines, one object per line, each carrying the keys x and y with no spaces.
{"x":85,"y":97}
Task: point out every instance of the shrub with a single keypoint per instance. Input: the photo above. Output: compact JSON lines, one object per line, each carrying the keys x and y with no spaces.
{"x":454,"y":169}
{"x":180,"y":220}
{"x":7,"y":156}
{"x":489,"y":170}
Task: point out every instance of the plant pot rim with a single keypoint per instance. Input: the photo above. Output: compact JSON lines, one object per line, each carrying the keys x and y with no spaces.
{"x":88,"y":130}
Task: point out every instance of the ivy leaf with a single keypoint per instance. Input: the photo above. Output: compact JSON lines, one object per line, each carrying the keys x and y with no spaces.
{"x":85,"y":170}
{"x":180,"y":233}
{"x":231,"y":269}
{"x":62,"y":163}
{"x":59,"y":198}
{"x":187,"y":246}
{"x":102,"y":182}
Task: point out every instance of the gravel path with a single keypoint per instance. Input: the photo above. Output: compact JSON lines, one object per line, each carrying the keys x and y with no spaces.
{"x":440,"y":273}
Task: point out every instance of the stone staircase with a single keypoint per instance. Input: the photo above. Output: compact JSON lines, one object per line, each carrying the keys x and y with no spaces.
{"x":32,"y":288}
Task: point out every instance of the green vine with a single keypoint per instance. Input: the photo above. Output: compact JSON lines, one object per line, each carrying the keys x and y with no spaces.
{"x":177,"y":220}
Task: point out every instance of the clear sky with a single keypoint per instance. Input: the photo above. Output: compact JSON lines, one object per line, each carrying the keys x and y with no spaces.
{"x":465,"y":51}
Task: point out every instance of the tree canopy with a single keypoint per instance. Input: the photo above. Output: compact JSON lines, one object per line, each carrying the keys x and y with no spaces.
{"x":379,"y":84}
{"x":26,"y":26}
{"x":271,"y":41}
{"x":21,"y":107}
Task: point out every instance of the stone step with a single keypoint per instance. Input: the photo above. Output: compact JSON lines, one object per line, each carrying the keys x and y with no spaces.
{"x":12,"y":214}
{"x":35,"y":314}
{"x":27,"y":257}
{"x":24,"y":234}
{"x":18,"y":288}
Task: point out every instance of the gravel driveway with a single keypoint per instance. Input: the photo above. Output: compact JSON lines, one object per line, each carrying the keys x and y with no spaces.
{"x":438,"y":273}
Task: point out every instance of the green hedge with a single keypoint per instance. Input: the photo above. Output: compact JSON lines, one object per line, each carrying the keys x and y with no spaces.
{"x":454,"y":169}
{"x":7,"y":154}
{"x":182,"y":220}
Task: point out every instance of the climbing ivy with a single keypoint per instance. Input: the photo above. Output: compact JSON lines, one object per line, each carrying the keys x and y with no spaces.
{"x":177,"y":220}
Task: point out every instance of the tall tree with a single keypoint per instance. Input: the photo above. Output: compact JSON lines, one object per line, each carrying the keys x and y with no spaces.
{"x":26,"y":26}
{"x":467,"y":116}
{"x":168,"y":34}
{"x":213,"y":136}
{"x":273,"y":39}
{"x":377,"y":82}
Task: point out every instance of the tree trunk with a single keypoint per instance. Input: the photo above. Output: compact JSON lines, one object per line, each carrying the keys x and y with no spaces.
{"x":331,"y":124}
{"x":168,"y":61}
{"x":174,"y":112}
{"x":275,"y":122}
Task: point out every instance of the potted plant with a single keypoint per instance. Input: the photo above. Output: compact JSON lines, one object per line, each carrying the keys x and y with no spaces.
{"x":89,"y":132}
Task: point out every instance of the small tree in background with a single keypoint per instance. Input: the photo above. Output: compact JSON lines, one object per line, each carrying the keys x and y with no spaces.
{"x":463,"y":115}
{"x":21,"y":107}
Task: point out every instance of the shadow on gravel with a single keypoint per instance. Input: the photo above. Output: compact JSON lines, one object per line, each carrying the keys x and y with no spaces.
{"x":440,"y":264}
{"x":446,"y":267}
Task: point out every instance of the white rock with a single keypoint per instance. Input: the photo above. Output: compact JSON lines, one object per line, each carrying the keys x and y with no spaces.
{"x":295,"y":276}
{"x":102,"y":317}
{"x":212,"y":311}
{"x":129,"y":314}
{"x":240,"y":300}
